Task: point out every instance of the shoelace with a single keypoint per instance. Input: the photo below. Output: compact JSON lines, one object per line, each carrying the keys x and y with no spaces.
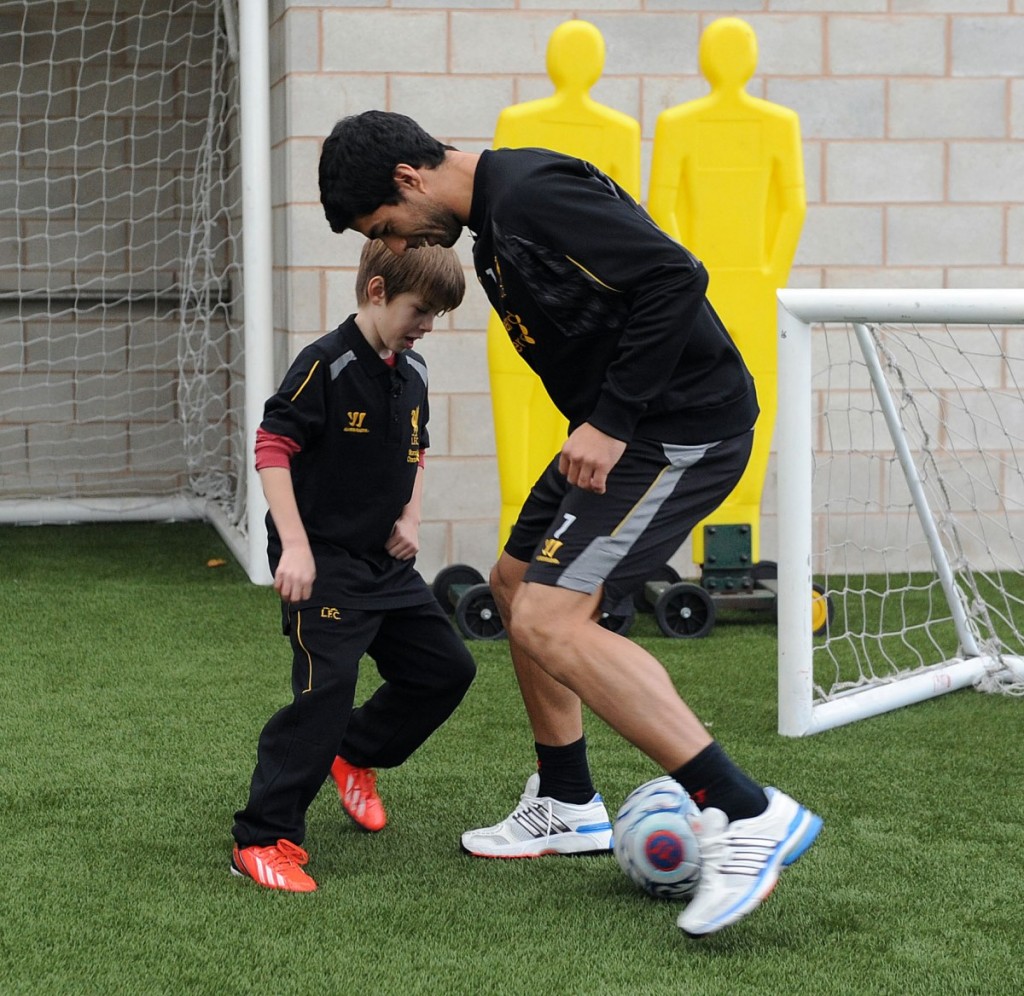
{"x":712,"y":838}
{"x":525,"y":802}
{"x":287,"y":854}
{"x":735,"y":854}
{"x":532,"y":806}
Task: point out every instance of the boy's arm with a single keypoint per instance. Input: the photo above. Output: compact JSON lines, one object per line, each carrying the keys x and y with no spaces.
{"x":296,"y":571}
{"x":404,"y":541}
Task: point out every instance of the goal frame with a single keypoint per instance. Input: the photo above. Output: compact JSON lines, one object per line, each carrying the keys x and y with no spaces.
{"x":798,"y":311}
{"x":248,"y":42}
{"x":257,"y":252}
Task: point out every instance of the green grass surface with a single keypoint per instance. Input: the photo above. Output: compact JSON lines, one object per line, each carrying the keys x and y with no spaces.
{"x":136,"y":680}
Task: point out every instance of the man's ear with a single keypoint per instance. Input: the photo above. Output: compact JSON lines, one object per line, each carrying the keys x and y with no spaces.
{"x":407,"y":178}
{"x":375,"y":290}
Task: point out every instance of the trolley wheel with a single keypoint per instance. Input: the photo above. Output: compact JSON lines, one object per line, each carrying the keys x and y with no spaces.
{"x":476,"y":614}
{"x":765,"y":570}
{"x":621,"y":619}
{"x":448,"y":577}
{"x":685,"y":611}
{"x":663,"y":573}
{"x":822,"y":610}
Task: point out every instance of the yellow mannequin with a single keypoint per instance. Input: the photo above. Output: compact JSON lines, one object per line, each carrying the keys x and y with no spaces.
{"x":528,"y":429}
{"x":727,"y":181}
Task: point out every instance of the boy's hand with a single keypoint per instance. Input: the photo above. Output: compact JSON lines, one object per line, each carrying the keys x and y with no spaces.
{"x":404,"y":541}
{"x":588,"y":457}
{"x":296,"y":571}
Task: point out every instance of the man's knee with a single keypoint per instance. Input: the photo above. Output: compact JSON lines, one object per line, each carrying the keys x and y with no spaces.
{"x":504,"y":581}
{"x":544,"y":617}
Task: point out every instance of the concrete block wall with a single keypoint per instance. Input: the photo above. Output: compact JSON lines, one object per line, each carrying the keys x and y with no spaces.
{"x":912,"y":118}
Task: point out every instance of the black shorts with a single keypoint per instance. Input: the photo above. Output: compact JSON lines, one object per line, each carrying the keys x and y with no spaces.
{"x":655,"y":495}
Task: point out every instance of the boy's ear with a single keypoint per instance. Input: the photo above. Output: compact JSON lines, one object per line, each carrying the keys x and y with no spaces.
{"x":375,"y":291}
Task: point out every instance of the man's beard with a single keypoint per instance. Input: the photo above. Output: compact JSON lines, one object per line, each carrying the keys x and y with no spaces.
{"x":449,"y":226}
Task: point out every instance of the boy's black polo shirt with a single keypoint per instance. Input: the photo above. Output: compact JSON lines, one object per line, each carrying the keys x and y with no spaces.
{"x":360,"y":426}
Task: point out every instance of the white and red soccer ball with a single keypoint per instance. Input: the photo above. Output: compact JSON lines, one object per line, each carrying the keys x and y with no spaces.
{"x":654,"y":844}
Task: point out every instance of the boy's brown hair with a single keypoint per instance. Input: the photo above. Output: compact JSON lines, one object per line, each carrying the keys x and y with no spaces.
{"x":432,"y":272}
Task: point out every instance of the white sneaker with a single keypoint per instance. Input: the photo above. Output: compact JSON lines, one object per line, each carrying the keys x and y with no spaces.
{"x":742,"y":860}
{"x":540,"y":825}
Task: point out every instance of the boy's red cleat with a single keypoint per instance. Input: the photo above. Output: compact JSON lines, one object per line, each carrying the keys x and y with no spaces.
{"x":357,"y":788}
{"x":275,"y":867}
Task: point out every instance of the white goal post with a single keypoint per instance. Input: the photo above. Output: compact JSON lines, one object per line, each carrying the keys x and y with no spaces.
{"x":900,"y":457}
{"x":135,"y":263}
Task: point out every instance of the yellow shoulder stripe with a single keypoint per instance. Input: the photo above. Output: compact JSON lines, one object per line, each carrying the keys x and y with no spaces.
{"x":306,"y":381}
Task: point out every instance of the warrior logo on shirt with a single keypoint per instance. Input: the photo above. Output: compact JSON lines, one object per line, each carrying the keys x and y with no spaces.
{"x":355,"y":422}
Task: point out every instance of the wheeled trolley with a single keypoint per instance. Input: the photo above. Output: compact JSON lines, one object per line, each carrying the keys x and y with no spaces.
{"x":729,"y":581}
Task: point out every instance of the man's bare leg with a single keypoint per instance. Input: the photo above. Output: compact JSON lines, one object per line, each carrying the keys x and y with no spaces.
{"x":632,"y":692}
{"x":619,"y":680}
{"x":554,"y":711}
{"x":560,"y":812}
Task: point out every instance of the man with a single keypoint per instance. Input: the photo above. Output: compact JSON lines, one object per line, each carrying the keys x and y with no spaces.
{"x":611,"y":313}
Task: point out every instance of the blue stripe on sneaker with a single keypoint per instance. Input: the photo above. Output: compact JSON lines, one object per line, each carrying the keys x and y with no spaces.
{"x":726,"y":916}
{"x":593,"y":827}
{"x":808,"y":838}
{"x":770,"y":872}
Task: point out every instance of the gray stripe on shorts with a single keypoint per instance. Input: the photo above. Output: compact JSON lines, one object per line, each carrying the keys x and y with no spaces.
{"x":589,"y":570}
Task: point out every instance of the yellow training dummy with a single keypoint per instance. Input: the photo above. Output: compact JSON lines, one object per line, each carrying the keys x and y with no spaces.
{"x":568,"y":121}
{"x":727,"y":181}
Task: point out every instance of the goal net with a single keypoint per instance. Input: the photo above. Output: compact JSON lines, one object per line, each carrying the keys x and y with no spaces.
{"x":901,"y":470}
{"x":121,"y":363}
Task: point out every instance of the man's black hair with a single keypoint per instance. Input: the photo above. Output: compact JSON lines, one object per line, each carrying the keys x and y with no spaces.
{"x":358,"y":160}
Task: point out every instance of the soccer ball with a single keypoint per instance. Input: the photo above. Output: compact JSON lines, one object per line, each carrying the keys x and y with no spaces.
{"x":654,"y":844}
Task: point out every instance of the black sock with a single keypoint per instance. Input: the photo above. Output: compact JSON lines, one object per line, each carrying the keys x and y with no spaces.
{"x":564,"y":772}
{"x":712,"y":779}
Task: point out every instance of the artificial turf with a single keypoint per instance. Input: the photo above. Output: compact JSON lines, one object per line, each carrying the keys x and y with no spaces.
{"x":136,"y":679}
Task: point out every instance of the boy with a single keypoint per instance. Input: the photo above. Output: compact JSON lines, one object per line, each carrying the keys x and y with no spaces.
{"x":340,"y":457}
{"x":612,"y":315}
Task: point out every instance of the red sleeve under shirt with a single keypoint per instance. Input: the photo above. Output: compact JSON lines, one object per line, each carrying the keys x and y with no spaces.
{"x":273,"y":450}
{"x":277,"y":451}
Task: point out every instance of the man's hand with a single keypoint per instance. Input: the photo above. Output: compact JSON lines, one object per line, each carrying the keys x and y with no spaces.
{"x":296,"y":571}
{"x":588,"y":457}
